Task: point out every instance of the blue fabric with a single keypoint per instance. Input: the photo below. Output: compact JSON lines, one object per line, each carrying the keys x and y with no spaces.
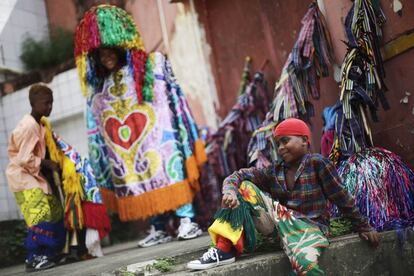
{"x":49,"y":244}
{"x":329,"y":116}
{"x":98,"y":153}
{"x":185,"y":211}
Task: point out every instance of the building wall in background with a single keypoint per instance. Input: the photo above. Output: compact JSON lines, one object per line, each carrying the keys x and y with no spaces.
{"x":61,"y":14}
{"x":267,"y":29}
{"x":27,"y":18}
{"x":174,"y":30}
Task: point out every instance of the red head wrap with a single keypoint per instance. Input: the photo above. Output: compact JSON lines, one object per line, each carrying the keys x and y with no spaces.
{"x":293,"y":127}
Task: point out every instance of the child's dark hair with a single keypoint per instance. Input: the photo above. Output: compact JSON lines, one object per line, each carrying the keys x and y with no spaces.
{"x":37,"y":90}
{"x":101,"y":71}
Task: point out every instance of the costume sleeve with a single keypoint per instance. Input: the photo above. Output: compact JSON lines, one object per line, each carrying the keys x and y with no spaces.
{"x":255,"y":175}
{"x":26,"y":140}
{"x":331,"y":185}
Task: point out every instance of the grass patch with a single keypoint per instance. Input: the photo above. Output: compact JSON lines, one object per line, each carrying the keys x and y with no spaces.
{"x":162,"y":264}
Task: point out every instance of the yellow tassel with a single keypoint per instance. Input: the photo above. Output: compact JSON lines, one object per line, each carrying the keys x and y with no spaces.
{"x":71,"y":179}
{"x":81,"y":64}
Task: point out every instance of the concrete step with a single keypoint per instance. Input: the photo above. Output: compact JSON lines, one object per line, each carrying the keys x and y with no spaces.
{"x":347,"y":255}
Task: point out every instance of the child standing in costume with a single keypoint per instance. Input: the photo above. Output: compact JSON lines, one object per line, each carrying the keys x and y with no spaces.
{"x":290,"y":198}
{"x":38,"y":158}
{"x":40,"y":207}
{"x":143,"y":141}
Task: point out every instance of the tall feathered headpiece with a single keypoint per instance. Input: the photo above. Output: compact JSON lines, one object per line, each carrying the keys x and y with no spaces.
{"x":107,"y":26}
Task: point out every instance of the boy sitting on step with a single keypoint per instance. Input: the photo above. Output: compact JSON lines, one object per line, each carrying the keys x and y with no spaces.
{"x":289,"y":198}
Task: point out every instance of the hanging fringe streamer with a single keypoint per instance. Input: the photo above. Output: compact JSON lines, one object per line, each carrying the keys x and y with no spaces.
{"x":309,"y":60}
{"x":72,"y":186}
{"x":228,"y":145}
{"x":246,"y":75}
{"x":383,"y":187}
{"x":362,"y":83}
{"x":111,"y":27}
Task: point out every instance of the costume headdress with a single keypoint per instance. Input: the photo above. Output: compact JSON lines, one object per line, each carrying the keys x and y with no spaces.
{"x":111,"y":27}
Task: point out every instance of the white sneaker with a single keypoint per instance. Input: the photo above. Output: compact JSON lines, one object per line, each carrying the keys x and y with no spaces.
{"x":188,"y":230}
{"x":154,"y":238}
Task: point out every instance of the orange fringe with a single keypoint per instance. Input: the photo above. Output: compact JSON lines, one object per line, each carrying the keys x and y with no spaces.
{"x":109,"y":199}
{"x":150,"y":203}
{"x":200,"y":152}
{"x":193,"y":174}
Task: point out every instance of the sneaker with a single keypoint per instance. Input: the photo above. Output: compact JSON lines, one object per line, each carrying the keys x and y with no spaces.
{"x":212,"y":258}
{"x":155,"y":237}
{"x":39,"y":263}
{"x":188,"y":230}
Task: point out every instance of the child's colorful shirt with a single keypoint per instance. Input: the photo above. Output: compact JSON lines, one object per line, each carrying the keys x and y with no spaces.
{"x":316,"y":182}
{"x":26,"y":149}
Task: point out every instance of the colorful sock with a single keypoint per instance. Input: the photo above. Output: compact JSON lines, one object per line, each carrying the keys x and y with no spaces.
{"x":224,"y":244}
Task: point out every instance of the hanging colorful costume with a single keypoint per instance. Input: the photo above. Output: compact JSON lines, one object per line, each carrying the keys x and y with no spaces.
{"x":143,"y":142}
{"x":227,"y":147}
{"x":83,"y":204}
{"x":381,"y":183}
{"x":308,"y":61}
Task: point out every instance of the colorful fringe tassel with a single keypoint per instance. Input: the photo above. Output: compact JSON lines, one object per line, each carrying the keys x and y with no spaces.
{"x":362,"y":82}
{"x":240,"y":217}
{"x":309,"y":60}
{"x":71,"y":181}
{"x":383,"y":188}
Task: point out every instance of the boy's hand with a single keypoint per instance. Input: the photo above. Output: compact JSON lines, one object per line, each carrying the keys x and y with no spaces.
{"x":51,"y":165}
{"x":230,"y":201}
{"x":372,"y":237}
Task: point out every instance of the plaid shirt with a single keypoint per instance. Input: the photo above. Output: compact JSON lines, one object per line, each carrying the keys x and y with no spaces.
{"x":316,"y":182}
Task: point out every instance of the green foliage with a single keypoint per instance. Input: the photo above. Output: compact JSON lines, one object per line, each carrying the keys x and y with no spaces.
{"x":12,"y":236}
{"x":43,"y":54}
{"x":163,"y":264}
{"x":340,"y":227}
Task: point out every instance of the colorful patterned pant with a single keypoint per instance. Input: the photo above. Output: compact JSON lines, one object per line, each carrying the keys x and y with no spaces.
{"x":44,"y":218}
{"x":302,"y":241}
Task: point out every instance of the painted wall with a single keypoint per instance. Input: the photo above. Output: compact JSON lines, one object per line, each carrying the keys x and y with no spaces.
{"x":61,"y":14}
{"x":267,"y":29}
{"x":174,"y":30}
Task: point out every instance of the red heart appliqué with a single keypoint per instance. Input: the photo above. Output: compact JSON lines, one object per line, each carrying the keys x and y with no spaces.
{"x":126,"y":133}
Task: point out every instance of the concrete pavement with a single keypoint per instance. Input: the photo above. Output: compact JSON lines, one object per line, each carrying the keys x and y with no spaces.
{"x":118,"y":256}
{"x":347,"y":255}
